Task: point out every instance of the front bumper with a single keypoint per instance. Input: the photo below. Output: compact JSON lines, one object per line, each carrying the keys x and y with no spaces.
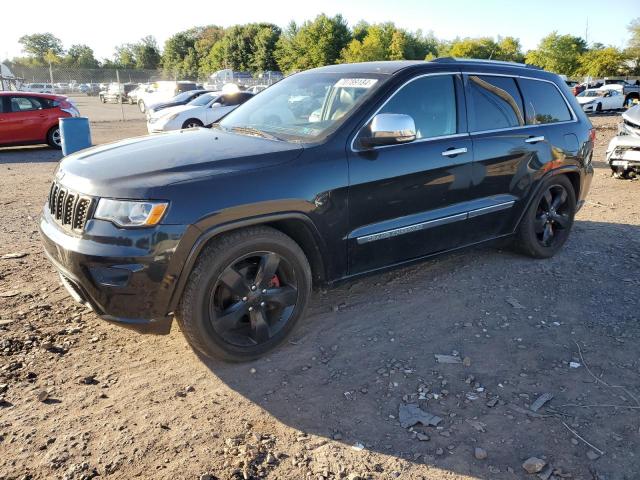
{"x":125,"y":275}
{"x":623,"y":153}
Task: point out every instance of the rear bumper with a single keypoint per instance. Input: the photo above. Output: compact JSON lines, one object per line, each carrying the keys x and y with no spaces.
{"x":125,"y":276}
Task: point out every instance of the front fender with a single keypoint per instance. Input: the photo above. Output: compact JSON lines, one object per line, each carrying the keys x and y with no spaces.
{"x":208,"y":233}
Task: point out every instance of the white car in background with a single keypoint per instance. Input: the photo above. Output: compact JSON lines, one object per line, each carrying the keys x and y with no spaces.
{"x":202,"y":111}
{"x":162,"y":91}
{"x":599,"y":99}
{"x":38,"y":88}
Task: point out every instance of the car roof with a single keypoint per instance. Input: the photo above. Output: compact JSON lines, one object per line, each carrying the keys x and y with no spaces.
{"x":395,"y":66}
{"x":31,"y":94}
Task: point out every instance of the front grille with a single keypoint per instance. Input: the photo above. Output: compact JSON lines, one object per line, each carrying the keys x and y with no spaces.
{"x":68,"y":208}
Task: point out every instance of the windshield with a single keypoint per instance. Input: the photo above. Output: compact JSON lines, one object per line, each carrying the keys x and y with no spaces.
{"x":181,"y":97}
{"x":305,"y":107}
{"x":203,"y":100}
{"x":589,"y":93}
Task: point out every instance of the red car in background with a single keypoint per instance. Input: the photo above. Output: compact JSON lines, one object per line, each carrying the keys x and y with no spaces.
{"x":32,"y":118}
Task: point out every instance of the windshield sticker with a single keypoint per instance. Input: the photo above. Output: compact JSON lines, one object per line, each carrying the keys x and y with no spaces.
{"x":356,"y":83}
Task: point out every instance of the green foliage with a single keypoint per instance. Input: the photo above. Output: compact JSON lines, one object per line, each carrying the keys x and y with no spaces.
{"x":386,"y":42}
{"x":558,"y":53}
{"x":601,"y":63}
{"x":40,"y":45}
{"x":325,"y":40}
{"x":80,"y":56}
{"x":146,"y":53}
{"x":507,"y":49}
{"x":249,"y":47}
{"x":632,"y":51}
{"x":314,"y":44}
{"x":124,"y":56}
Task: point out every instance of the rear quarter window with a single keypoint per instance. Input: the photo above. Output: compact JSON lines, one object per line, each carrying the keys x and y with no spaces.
{"x":543,"y":102}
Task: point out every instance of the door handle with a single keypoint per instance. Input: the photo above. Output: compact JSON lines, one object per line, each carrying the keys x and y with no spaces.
{"x":535,"y":139}
{"x":452,"y":152}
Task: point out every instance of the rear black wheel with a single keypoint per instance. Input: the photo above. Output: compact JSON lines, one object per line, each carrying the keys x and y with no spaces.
{"x":54,"y":138}
{"x":545,"y":227}
{"x":245,"y":294}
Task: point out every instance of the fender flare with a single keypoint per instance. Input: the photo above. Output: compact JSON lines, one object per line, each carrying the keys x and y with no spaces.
{"x":212,"y":232}
{"x":551,"y":173}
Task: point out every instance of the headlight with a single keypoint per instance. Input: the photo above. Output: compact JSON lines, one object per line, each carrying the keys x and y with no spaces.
{"x":130,"y":213}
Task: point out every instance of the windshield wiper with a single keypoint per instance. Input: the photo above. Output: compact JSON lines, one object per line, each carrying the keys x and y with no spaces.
{"x":255,"y":132}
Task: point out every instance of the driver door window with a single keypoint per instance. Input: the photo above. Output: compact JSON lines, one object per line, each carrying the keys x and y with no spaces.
{"x":431,"y":102}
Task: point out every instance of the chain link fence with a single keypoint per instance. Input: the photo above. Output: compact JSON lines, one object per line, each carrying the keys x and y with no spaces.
{"x":68,"y":80}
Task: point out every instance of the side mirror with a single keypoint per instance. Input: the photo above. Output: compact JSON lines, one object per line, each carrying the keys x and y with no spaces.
{"x":389,"y":129}
{"x":216,"y":105}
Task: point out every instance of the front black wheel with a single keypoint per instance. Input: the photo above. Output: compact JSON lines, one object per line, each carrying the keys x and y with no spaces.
{"x":192,"y":123}
{"x":545,"y":227}
{"x":245,"y":294}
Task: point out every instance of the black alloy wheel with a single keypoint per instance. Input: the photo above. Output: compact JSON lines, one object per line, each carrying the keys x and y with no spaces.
{"x":245,"y":294}
{"x":546,"y":224}
{"x":552,"y":218}
{"x":253,"y":299}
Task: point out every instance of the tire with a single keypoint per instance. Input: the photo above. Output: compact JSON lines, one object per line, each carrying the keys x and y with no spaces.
{"x":131,"y":102}
{"x":102,"y":99}
{"x":54,"y":140}
{"x":207,"y":299}
{"x":544,"y":230}
{"x":141,"y":106}
{"x":192,"y":123}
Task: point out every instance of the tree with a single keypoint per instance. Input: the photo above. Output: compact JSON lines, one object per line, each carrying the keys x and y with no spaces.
{"x":124,"y":57}
{"x":315,"y":43}
{"x":387,"y":42}
{"x":633,"y":47}
{"x":36,"y":46}
{"x":484,"y":47}
{"x":176,"y":50}
{"x":264,"y":47}
{"x":81,"y":56}
{"x":558,"y":53}
{"x":146,"y":53}
{"x":509,"y":49}
{"x":601,"y":63}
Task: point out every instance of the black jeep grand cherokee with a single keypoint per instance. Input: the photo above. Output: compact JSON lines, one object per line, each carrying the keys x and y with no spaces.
{"x":329,"y":174}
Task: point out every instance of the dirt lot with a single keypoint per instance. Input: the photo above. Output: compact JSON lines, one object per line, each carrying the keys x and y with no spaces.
{"x":326,"y":405}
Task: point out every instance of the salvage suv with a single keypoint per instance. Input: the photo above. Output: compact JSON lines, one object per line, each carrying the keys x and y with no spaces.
{"x":228,"y":228}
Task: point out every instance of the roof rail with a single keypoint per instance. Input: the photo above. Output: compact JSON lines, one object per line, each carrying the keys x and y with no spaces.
{"x":479,"y":60}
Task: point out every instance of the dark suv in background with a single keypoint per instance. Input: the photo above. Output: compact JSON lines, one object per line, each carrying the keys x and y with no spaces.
{"x":228,"y":228}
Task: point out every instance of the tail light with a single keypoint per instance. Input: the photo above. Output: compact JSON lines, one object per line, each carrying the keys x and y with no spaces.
{"x":67,"y":106}
{"x":592,"y":135}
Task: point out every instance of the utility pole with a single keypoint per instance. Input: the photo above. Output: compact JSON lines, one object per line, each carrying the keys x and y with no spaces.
{"x":586,"y":33}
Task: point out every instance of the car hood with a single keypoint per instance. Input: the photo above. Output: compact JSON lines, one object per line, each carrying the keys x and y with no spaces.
{"x":583,"y":100}
{"x":140,"y":167}
{"x":165,"y":112}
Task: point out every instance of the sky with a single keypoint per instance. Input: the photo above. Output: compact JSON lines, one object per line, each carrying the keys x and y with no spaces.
{"x":102,"y":25}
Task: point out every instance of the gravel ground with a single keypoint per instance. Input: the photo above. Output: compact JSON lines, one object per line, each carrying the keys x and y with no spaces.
{"x":82,"y":398}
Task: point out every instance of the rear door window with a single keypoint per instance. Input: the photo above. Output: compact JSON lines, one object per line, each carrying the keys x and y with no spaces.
{"x":495,"y":103}
{"x":431,"y":102}
{"x":25,"y":104}
{"x":543,"y":102}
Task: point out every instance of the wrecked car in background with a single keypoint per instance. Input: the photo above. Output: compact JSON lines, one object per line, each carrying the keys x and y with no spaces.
{"x":623,"y":153}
